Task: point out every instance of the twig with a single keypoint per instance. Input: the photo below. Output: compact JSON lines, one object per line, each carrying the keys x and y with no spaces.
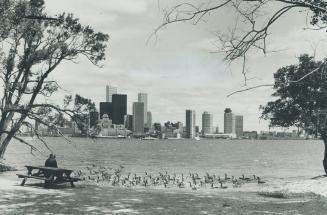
{"x":250,"y":88}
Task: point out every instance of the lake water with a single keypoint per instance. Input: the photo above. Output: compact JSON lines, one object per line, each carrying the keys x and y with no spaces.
{"x":268,"y":159}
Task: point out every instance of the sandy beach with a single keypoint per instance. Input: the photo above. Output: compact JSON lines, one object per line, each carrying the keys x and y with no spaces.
{"x":306,"y":197}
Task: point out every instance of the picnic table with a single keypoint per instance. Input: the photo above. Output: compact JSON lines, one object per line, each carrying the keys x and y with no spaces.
{"x":50,"y":175}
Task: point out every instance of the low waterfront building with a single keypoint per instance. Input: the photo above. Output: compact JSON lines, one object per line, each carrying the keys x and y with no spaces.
{"x":109,"y":129}
{"x":220,"y":136}
{"x":250,"y":135}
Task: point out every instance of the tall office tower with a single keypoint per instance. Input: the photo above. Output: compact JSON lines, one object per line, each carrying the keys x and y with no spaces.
{"x":207,"y":123}
{"x":143,"y":97}
{"x":106,"y":108}
{"x":138,"y":118}
{"x":149,"y":119}
{"x":119,"y":108}
{"x":239,"y":125}
{"x":190,"y":123}
{"x":94,"y":119}
{"x":229,"y":122}
{"x":110,"y":90}
{"x":128,"y":122}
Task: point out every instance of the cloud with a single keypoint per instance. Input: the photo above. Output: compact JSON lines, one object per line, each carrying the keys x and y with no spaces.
{"x":177,"y":70}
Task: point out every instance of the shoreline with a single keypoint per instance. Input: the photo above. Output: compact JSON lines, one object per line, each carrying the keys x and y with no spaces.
{"x":178,"y":139}
{"x":95,"y":199}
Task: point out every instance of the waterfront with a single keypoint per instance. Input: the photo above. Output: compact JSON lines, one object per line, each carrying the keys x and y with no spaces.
{"x":286,"y":166}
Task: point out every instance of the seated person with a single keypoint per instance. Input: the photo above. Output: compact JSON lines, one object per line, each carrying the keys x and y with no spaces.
{"x":51,"y":161}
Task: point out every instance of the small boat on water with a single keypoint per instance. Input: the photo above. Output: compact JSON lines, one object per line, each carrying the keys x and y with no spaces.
{"x":149,"y":138}
{"x":109,"y":137}
{"x":196,"y":138}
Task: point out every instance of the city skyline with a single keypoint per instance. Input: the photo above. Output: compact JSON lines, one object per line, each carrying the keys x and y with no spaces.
{"x":178,"y":72}
{"x":117,"y":112}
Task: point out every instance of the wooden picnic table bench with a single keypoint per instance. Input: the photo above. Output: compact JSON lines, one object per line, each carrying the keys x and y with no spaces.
{"x":50,"y":175}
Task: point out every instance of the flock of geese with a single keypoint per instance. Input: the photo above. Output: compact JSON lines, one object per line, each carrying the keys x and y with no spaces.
{"x":114,"y":177}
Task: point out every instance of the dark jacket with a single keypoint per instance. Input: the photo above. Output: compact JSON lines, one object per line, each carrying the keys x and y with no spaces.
{"x":51,"y":162}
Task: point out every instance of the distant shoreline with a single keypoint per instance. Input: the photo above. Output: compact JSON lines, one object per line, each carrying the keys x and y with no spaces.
{"x":179,"y":139}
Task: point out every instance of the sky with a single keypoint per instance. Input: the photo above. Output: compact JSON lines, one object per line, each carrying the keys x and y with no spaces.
{"x":179,"y":69}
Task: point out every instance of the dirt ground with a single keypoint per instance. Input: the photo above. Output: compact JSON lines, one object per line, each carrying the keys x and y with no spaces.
{"x":92,"y":199}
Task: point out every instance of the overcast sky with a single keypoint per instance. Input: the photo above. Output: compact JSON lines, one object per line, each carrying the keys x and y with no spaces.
{"x":179,"y":70}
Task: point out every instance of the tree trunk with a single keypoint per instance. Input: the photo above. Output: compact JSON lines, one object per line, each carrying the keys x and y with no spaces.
{"x":3,"y":146}
{"x":324,"y":138}
{"x":4,"y":142}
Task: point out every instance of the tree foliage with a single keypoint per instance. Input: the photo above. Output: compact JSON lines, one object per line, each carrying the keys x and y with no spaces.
{"x":32,"y":46}
{"x":83,"y":107}
{"x":301,"y":92}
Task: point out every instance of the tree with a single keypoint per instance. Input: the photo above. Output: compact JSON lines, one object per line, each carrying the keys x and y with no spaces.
{"x":253,"y":21}
{"x":301,"y":92}
{"x":83,"y":107}
{"x":157,"y":127}
{"x":32,"y":48}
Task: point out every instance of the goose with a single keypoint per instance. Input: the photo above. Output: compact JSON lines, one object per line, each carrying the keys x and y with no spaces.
{"x":259,"y":181}
{"x":213,"y":187}
{"x":221,"y":186}
{"x":226,"y":178}
{"x":245,"y":178}
{"x":180,"y":185}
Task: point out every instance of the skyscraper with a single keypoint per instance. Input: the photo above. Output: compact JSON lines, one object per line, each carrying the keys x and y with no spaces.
{"x":239,"y":125}
{"x":149,"y":119}
{"x":207,"y":123}
{"x":128,"y":122}
{"x":143,"y":97}
{"x":119,"y":108}
{"x":190,"y":123}
{"x":110,"y":90}
{"x":106,"y":108}
{"x":229,"y":122}
{"x":138,"y":118}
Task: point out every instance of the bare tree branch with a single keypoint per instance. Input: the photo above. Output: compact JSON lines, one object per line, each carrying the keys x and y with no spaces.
{"x":250,"y":88}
